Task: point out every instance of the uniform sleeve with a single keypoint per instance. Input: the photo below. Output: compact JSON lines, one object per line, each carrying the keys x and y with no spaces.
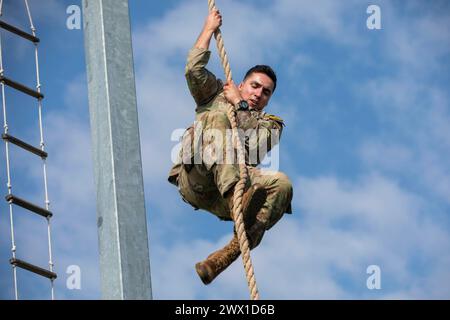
{"x":202,"y":84}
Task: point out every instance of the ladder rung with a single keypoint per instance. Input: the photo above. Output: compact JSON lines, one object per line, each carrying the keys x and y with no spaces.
{"x":24,"y":145}
{"x":21,"y":87}
{"x":28,"y":205}
{"x":31,"y":267}
{"x":19,"y":32}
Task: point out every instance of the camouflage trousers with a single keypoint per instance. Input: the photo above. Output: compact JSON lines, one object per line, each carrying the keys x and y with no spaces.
{"x":205,"y":189}
{"x":204,"y":185}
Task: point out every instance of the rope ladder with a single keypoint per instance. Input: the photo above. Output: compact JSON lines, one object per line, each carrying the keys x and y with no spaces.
{"x":11,"y":198}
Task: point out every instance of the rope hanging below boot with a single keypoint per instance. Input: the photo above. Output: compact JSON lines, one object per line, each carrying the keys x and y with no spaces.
{"x":243,"y":174}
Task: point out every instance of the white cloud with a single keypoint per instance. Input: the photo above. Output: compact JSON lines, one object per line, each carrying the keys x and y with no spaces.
{"x":72,"y":198}
{"x":410,"y":103}
{"x":416,"y":41}
{"x":71,"y":188}
{"x":43,"y":13}
{"x":322,"y":251}
{"x":346,"y":225}
{"x":161,"y":47}
{"x":415,"y":141}
{"x":339,"y":226}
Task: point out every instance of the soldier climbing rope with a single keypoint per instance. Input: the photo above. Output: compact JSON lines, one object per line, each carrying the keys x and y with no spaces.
{"x":243,"y":174}
{"x":9,"y":139}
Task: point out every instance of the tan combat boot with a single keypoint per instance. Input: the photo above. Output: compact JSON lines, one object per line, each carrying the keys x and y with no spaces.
{"x":218,"y":261}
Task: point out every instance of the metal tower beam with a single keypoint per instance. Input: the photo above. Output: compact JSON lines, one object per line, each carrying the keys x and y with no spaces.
{"x":122,"y":226}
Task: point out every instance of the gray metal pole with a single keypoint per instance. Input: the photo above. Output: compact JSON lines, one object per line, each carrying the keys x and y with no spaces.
{"x":122,"y":227}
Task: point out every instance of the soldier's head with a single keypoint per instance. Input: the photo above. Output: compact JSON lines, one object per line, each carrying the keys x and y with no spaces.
{"x":258,"y":86}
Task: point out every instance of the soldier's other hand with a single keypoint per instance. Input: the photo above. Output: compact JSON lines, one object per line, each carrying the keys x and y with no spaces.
{"x":232,"y":93}
{"x":213,"y":21}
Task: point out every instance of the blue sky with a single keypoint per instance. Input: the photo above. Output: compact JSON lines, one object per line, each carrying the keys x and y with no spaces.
{"x":366,"y":144}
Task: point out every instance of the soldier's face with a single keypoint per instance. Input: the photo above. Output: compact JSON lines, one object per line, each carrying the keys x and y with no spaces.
{"x":257,"y":90}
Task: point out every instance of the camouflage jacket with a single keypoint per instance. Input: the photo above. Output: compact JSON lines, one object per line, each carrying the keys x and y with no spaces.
{"x":207,"y":92}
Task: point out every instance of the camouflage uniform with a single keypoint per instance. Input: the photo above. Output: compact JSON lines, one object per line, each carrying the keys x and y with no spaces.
{"x":204,"y":185}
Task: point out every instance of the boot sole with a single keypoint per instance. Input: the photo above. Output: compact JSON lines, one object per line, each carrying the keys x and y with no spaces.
{"x":204,"y":272}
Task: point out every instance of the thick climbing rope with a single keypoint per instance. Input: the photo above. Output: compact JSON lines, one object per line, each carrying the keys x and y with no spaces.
{"x":243,"y":174}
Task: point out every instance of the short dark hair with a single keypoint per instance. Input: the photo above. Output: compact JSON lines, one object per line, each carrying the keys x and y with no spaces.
{"x":261,"y":68}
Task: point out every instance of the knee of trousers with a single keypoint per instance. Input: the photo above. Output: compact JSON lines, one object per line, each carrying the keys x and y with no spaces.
{"x":281,"y":201}
{"x":284,"y":185}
